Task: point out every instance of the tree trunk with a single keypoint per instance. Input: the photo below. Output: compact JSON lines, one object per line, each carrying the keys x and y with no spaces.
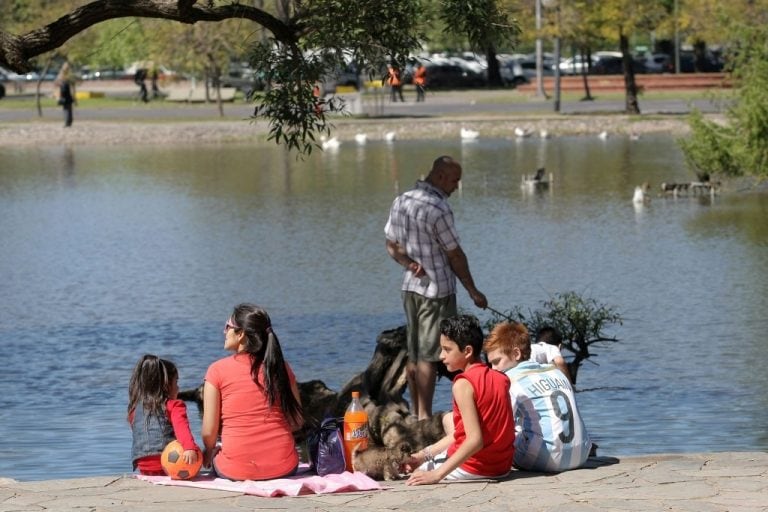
{"x":17,"y":50}
{"x":586,"y":60}
{"x":39,"y":83}
{"x":630,"y":85}
{"x":494,"y":75}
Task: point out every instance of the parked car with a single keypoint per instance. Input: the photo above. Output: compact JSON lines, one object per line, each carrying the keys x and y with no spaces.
{"x":615,"y":66}
{"x":473,"y":61}
{"x":574,"y":65}
{"x":103,"y":73}
{"x":512,"y":73}
{"x":444,"y":76}
{"x":529,"y":66}
{"x":243,"y":78}
{"x":659,"y":63}
{"x":665,"y":63}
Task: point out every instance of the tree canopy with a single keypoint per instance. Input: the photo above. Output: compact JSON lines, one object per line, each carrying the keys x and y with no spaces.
{"x":306,"y":40}
{"x":738,"y":147}
{"x":294,"y":44}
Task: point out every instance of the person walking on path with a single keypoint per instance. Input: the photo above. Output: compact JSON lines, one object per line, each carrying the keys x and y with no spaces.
{"x":154,"y":76}
{"x":420,"y":81}
{"x":66,"y":83}
{"x":140,"y":79}
{"x":421,"y":236}
{"x":395,"y":82}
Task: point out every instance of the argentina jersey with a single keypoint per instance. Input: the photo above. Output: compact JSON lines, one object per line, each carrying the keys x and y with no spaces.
{"x":550,"y":434}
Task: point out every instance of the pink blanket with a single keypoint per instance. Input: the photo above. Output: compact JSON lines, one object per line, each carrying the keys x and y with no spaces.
{"x":291,"y":486}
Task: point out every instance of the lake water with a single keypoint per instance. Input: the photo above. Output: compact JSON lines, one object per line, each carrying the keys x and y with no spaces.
{"x":110,"y":253}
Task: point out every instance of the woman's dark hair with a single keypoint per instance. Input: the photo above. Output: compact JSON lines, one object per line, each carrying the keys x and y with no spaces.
{"x":465,"y":331}
{"x":262,"y":345}
{"x":150,"y":384}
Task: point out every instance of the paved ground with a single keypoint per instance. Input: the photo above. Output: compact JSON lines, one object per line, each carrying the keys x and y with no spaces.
{"x":492,"y":113}
{"x":709,"y":482}
{"x":438,"y":103}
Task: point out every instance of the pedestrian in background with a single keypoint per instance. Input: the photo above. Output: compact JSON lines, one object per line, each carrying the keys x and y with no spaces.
{"x":66,"y":83}
{"x":139,"y":79}
{"x":395,"y":81}
{"x":420,"y":81}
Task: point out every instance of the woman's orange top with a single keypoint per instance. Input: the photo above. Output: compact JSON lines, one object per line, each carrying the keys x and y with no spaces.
{"x":256,"y":440}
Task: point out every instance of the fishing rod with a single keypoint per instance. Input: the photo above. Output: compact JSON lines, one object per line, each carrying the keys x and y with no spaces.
{"x":497,"y":312}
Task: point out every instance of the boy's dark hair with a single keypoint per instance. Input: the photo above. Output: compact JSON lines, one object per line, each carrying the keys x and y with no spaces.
{"x":549,"y":335}
{"x":465,"y":331}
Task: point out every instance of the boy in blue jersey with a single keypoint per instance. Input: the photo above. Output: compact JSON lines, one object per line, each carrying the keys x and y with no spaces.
{"x":551,"y":435}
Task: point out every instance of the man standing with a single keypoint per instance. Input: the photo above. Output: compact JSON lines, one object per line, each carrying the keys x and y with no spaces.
{"x":422,"y":238}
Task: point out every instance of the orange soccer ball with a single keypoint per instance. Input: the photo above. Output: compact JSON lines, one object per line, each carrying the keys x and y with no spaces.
{"x":174,"y":465}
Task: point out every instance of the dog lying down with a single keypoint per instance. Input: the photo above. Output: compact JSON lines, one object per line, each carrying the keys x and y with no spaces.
{"x":381,"y":463}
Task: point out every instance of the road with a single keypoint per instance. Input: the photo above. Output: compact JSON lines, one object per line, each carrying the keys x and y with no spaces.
{"x":455,"y":105}
{"x":437,"y":104}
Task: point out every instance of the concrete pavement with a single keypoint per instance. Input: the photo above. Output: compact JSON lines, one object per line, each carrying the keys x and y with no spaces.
{"x":438,"y":103}
{"x":710,"y":482}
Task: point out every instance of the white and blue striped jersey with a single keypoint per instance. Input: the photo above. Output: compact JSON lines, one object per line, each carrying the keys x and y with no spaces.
{"x":550,"y":434}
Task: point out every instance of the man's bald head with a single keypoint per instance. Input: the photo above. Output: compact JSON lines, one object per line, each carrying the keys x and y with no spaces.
{"x":445,"y":174}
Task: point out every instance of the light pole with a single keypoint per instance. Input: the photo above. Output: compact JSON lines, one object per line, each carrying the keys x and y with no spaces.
{"x":539,"y":57}
{"x":556,"y":5}
{"x":677,"y":40}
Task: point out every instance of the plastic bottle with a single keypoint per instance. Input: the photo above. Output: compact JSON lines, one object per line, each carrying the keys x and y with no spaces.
{"x":355,"y":428}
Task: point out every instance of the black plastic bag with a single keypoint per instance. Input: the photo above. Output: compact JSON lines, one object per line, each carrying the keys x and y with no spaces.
{"x":325,"y":447}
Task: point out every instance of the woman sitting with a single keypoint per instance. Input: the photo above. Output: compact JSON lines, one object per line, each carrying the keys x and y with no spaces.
{"x":253,"y":397}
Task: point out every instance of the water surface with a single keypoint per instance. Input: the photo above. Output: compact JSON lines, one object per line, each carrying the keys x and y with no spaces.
{"x":110,"y":253}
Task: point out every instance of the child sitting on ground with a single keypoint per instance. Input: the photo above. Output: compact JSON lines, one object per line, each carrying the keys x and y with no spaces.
{"x":546,"y":350}
{"x":480,"y":442}
{"x":551,"y":435}
{"x":156,"y":416}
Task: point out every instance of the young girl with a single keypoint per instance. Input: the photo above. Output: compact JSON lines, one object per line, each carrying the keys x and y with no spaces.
{"x":252,"y":399}
{"x":156,"y":416}
{"x":480,"y":439}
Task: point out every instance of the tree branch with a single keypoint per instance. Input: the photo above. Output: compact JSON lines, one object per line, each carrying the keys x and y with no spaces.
{"x":17,"y":50}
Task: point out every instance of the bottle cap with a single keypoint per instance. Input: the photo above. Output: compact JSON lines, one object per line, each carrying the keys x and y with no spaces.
{"x":355,"y":394}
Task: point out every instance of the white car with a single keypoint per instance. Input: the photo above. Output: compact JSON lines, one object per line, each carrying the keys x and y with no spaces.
{"x":574,"y":65}
{"x":7,"y":75}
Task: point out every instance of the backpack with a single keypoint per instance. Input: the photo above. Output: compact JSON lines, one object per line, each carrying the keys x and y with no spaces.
{"x":325,"y":448}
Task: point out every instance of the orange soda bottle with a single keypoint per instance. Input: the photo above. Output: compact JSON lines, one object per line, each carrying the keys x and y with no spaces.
{"x":355,"y":429}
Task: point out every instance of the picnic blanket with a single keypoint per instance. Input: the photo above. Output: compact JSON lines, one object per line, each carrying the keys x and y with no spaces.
{"x":304,"y":482}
